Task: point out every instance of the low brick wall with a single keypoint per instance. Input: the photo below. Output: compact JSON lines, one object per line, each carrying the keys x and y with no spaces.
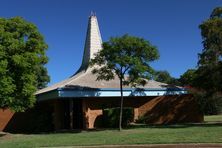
{"x":171,"y":110}
{"x":157,"y":110}
{"x":5,"y":117}
{"x":37,"y":119}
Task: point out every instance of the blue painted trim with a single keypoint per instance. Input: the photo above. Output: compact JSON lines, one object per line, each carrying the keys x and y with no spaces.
{"x":107,"y":92}
{"x":103,"y":93}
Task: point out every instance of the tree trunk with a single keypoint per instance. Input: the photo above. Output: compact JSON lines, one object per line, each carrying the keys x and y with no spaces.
{"x":121,"y":104}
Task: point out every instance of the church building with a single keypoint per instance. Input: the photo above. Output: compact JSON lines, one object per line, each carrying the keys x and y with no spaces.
{"x":78,"y":101}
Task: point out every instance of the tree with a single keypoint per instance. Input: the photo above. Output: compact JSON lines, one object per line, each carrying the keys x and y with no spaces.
{"x":208,"y":78}
{"x":125,"y":55}
{"x":22,"y":60}
{"x":162,"y":76}
{"x":210,"y":60}
{"x":188,"y":77}
{"x":165,"y":77}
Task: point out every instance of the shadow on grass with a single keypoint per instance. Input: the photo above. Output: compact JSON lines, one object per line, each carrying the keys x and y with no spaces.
{"x":74,"y":131}
{"x":1,"y":134}
{"x":175,"y":125}
{"x":134,"y":126}
{"x":137,"y":126}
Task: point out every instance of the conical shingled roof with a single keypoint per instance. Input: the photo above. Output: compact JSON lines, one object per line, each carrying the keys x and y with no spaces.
{"x":84,"y":77}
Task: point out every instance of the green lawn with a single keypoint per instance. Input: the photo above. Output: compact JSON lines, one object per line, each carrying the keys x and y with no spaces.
{"x":209,"y":133}
{"x":213,"y":118}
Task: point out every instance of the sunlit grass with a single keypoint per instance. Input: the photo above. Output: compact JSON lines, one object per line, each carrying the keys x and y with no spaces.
{"x":146,"y":135}
{"x":213,"y":118}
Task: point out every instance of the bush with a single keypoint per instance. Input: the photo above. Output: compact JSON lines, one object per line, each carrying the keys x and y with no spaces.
{"x":209,"y":104}
{"x":111,"y":117}
{"x":213,"y":105}
{"x":142,"y":119}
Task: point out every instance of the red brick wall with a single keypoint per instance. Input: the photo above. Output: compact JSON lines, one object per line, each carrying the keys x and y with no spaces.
{"x":5,"y":117}
{"x":158,"y":110}
{"x":171,"y":109}
{"x":32,"y":120}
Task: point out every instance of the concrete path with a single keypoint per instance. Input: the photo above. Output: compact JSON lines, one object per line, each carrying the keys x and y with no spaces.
{"x":198,"y":145}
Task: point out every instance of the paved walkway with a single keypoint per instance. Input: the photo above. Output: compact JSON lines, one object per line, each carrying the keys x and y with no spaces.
{"x":198,"y":145}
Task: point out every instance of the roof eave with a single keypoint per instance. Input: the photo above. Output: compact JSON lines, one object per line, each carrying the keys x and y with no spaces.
{"x":107,"y":92}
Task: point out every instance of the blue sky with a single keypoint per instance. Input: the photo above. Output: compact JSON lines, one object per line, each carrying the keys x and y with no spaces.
{"x":171,"y":25}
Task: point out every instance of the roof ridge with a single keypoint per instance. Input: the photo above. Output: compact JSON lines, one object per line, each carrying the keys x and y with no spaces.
{"x":77,"y":76}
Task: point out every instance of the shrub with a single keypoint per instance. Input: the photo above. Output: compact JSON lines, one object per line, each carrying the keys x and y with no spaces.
{"x":209,"y":103}
{"x":111,"y":117}
{"x":141,"y":119}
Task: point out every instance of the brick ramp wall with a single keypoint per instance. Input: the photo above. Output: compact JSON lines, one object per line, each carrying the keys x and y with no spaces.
{"x":171,"y":110}
{"x":5,"y":117}
{"x":157,"y":110}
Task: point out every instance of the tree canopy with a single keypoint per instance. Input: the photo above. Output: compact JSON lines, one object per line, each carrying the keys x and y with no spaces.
{"x":188,"y":77}
{"x":210,"y":60}
{"x":126,"y":57}
{"x":207,"y":78}
{"x":22,"y":60}
{"x":165,"y":77}
{"x":162,"y":76}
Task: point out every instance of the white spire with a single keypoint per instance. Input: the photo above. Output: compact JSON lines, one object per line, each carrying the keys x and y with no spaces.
{"x":93,"y":41}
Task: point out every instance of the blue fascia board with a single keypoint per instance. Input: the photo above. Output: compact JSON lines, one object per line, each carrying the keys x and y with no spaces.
{"x":116,"y":93}
{"x":107,"y":92}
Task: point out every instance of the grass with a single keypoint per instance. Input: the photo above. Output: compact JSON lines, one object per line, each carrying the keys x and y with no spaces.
{"x":206,"y":133}
{"x":213,"y":118}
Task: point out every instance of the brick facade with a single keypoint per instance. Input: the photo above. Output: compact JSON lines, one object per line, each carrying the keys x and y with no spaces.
{"x":157,"y":110}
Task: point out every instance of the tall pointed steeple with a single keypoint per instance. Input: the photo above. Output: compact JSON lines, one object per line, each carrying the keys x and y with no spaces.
{"x":93,"y":42}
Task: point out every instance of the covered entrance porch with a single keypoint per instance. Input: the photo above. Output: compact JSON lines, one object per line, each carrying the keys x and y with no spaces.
{"x":80,"y":108}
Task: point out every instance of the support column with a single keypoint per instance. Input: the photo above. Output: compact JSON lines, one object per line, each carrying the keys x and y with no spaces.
{"x":57,"y":115}
{"x":85,"y":114}
{"x":71,"y":113}
{"x":93,"y":114}
{"x":136,"y":114}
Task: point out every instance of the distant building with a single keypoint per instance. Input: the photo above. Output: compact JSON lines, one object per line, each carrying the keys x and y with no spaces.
{"x":77,"y":102}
